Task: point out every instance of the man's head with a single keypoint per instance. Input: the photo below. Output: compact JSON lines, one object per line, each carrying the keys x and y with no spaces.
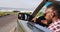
{"x":56,"y":9}
{"x":53,"y":10}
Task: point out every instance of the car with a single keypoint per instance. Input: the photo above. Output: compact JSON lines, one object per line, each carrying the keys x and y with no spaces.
{"x":24,"y":23}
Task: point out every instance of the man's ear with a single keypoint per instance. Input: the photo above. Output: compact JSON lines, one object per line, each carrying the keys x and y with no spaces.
{"x":54,"y":13}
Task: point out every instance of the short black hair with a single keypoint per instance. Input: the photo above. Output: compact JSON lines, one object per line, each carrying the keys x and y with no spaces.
{"x":56,"y":8}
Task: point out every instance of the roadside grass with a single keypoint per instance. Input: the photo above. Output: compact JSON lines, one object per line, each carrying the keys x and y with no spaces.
{"x":5,"y":13}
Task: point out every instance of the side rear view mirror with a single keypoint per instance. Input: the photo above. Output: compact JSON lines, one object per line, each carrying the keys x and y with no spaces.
{"x":24,"y":16}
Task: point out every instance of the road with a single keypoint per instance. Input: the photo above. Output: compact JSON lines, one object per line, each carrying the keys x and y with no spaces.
{"x":7,"y":23}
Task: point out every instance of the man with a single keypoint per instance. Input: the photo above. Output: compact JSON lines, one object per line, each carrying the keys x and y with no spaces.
{"x":45,"y":20}
{"x":55,"y":25}
{"x":53,"y":13}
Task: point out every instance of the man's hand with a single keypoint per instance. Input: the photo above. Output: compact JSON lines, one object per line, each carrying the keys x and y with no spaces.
{"x":44,"y":21}
{"x":34,"y":19}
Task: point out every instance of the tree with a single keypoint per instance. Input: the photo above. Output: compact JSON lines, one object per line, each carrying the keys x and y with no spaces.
{"x":16,"y":11}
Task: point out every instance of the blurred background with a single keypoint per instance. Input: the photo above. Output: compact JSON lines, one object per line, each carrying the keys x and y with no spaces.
{"x":9,"y":10}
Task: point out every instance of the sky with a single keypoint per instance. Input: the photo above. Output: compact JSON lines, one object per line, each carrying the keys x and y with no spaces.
{"x":24,"y":4}
{"x":27,"y":4}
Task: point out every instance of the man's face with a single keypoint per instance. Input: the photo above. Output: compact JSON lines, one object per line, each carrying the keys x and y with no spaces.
{"x":49,"y":12}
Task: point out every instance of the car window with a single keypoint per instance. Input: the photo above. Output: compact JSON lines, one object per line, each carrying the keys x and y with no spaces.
{"x":42,"y":11}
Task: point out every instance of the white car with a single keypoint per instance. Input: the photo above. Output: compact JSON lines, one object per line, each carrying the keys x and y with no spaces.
{"x":26,"y":26}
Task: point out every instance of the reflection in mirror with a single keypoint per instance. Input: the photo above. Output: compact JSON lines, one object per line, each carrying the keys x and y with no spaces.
{"x":25,"y":16}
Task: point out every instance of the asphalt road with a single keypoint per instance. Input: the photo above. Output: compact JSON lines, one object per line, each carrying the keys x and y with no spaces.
{"x":7,"y":23}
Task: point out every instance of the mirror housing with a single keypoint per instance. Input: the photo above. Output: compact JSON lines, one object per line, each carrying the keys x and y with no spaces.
{"x":25,"y":16}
